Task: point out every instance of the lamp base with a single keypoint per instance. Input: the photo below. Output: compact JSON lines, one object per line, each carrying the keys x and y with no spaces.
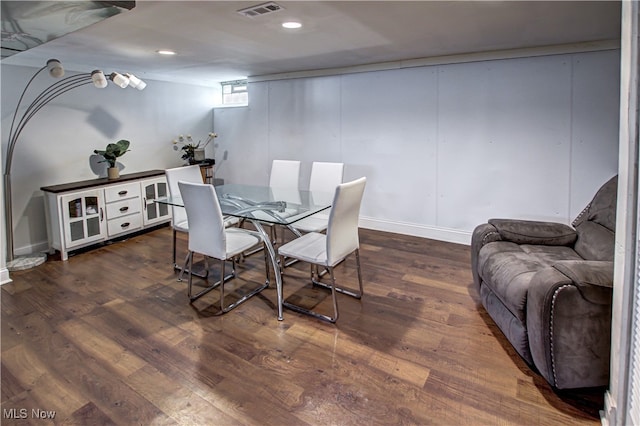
{"x":29,"y":261}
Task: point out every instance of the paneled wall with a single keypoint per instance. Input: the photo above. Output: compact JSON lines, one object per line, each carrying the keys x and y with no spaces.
{"x":444,"y":147}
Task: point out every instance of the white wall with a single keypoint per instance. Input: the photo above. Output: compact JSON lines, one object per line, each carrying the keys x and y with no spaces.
{"x":444,"y":147}
{"x":57,"y":145}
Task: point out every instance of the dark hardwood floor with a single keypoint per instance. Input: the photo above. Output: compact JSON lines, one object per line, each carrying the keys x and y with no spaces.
{"x":108,"y":337}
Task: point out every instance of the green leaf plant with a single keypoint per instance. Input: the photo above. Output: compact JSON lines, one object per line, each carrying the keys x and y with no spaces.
{"x":113,"y":151}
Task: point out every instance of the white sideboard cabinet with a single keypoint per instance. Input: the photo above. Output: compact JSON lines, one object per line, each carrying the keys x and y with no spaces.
{"x":83,"y":213}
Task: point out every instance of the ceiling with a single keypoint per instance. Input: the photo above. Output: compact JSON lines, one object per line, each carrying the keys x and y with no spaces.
{"x":215,"y":43}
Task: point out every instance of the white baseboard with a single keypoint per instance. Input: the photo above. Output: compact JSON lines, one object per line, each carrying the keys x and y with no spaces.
{"x":432,"y":232}
{"x":4,"y":276}
{"x":608,"y":415}
{"x":42,"y":246}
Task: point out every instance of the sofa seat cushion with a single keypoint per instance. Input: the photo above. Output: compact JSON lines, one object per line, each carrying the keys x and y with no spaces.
{"x":507,"y":269}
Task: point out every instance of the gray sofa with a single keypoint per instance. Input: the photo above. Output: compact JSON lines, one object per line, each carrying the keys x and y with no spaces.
{"x":548,"y":287}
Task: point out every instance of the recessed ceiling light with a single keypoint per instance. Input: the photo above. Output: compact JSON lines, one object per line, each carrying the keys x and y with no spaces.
{"x":166,"y":52}
{"x":291,"y":25}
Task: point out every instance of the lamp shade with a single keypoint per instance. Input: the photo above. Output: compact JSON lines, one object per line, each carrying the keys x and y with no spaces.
{"x":55,"y":68}
{"x":135,"y":82}
{"x":99,"y":80}
{"x":119,"y":79}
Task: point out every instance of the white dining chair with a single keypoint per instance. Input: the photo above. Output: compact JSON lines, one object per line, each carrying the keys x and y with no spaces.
{"x":328,"y":250}
{"x":284,"y":180}
{"x":179,"y":221}
{"x":209,"y":236}
{"x":325,"y":177}
{"x":284,"y":174}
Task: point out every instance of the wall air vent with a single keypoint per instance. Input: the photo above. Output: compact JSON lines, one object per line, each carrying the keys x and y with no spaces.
{"x":261,"y":9}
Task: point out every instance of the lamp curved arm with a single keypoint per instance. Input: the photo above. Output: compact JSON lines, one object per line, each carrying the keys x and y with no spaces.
{"x":49,"y":94}
{"x":44,"y":97}
{"x":15,"y":113}
{"x":58,"y":85}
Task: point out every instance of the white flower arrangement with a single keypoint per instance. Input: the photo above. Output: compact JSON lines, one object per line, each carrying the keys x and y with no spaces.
{"x":189,"y":147}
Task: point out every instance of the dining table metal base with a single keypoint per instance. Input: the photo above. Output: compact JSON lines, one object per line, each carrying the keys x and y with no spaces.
{"x":274,"y":262}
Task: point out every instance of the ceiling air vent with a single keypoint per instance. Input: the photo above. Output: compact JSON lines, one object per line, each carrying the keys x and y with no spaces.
{"x":261,"y":9}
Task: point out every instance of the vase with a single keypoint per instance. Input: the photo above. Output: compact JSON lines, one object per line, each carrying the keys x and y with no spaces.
{"x":198,"y":154}
{"x":113,"y":173}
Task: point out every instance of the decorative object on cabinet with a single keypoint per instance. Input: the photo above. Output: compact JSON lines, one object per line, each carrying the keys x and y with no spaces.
{"x":111,"y":154}
{"x":56,"y":70}
{"x":81,"y":214}
{"x":193,"y":153}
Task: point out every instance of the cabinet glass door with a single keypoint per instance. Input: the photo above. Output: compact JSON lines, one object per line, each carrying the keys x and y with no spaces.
{"x":153,"y":189}
{"x":163,"y":209}
{"x":83,"y":217}
{"x":149,"y":196}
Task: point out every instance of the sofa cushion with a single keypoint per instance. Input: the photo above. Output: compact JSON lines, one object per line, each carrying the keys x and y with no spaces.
{"x":602,"y":209}
{"x":534,"y":232}
{"x":595,"y":242}
{"x":507,"y":269}
{"x":594,"y":279}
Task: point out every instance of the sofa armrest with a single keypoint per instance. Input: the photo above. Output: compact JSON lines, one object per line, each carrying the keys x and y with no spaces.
{"x":482,"y":234}
{"x":590,"y":276}
{"x":569,"y":323}
{"x":534,"y":232}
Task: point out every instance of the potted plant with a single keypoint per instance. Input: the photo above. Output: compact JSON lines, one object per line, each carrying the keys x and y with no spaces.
{"x":111,"y":153}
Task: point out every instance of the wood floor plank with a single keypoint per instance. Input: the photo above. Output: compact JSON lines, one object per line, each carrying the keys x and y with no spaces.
{"x":88,"y":414}
{"x":109,"y":337}
{"x":47,"y":389}
{"x":100,"y":347}
{"x":176,"y":401}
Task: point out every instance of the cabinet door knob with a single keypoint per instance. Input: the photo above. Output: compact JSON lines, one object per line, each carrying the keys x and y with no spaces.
{"x":122,"y":192}
{"x":101,"y":214}
{"x":124,"y":225}
{"x":124,"y":209}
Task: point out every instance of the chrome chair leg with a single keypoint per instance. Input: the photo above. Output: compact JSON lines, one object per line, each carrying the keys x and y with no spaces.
{"x":190,"y":260}
{"x":223,"y":278}
{"x":348,"y":292}
{"x":193,"y":297}
{"x":359,"y":274}
{"x":315,"y":314}
{"x":184,"y":269}
{"x":222,"y":284}
{"x":315,"y":279}
{"x":175,"y":240}
{"x":224,"y":309}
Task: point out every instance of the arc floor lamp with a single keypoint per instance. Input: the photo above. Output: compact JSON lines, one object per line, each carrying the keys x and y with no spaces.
{"x":55,"y":69}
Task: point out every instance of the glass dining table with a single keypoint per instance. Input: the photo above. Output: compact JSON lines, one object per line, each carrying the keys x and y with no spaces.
{"x":262,"y":205}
